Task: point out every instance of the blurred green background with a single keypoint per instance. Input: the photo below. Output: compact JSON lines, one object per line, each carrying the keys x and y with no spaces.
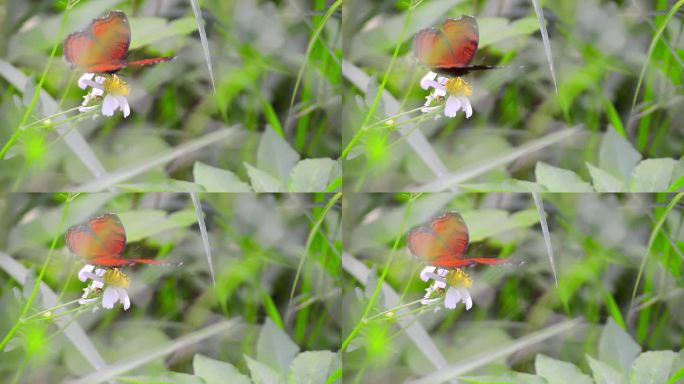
{"x":258,"y":244}
{"x":599,"y":243}
{"x":520,"y":124}
{"x":276,"y":99}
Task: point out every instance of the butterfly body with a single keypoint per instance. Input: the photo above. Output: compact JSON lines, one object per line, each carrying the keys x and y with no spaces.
{"x":103,"y":46}
{"x":448,"y":50}
{"x":444,"y":241}
{"x":101,"y":241}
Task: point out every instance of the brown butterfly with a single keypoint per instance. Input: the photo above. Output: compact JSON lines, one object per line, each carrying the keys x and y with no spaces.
{"x":102,"y":241}
{"x":444,"y":241}
{"x":449,"y":49}
{"x":103,"y":46}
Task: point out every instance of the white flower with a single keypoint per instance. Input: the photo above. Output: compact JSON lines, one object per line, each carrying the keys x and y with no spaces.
{"x":113,"y":281}
{"x":456,"y":88}
{"x":112,"y":87}
{"x":457,"y":282}
{"x":456,"y":295}
{"x":113,"y":294}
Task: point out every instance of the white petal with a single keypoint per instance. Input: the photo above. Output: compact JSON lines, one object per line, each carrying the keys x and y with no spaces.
{"x":99,"y":79}
{"x":85,"y":272}
{"x":123,"y":297}
{"x":467,"y":108}
{"x":109,"y":105}
{"x":96,"y":92}
{"x":440,"y":92}
{"x":123,"y":103}
{"x":427,"y":80}
{"x":453,"y":105}
{"x":453,"y":297}
{"x":426,"y":272}
{"x":84,"y":80}
{"x":109,"y":298}
{"x":466,"y":298}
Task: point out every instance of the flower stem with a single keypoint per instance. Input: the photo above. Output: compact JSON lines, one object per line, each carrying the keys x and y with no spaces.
{"x":36,"y":285}
{"x":39,"y":87}
{"x":381,"y":280}
{"x":381,"y":88}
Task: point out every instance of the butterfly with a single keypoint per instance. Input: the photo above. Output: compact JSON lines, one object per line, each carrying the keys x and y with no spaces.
{"x":103,"y":46}
{"x":449,"y":49}
{"x":101,"y":241}
{"x":443,"y":243}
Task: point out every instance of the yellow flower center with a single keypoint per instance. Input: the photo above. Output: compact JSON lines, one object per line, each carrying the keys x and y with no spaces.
{"x":457,"y":86}
{"x":116,"y":278}
{"x":116,"y":86}
{"x":458,"y":278}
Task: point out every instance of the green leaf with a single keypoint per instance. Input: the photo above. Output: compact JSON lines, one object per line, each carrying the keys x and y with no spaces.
{"x":652,"y":367}
{"x":148,"y":30}
{"x":218,"y":180}
{"x":312,"y":367}
{"x":504,"y":186}
{"x":217,"y":372}
{"x":677,"y":369}
{"x":505,"y":378}
{"x":494,"y":29}
{"x":559,"y":372}
{"x":275,"y":155}
{"x":560,"y":180}
{"x":141,"y":224}
{"x":311,"y":175}
{"x":652,"y":175}
{"x":604,"y":181}
{"x":275,"y":348}
{"x":169,"y":185}
{"x":489,"y":222}
{"x":162,"y":377}
{"x":616,"y":347}
{"x":604,"y":373}
{"x":263,"y":181}
{"x":617,"y":155}
{"x":262,"y":373}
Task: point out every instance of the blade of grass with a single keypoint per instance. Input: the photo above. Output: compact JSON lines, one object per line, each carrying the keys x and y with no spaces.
{"x":412,"y":135}
{"x":545,"y":230}
{"x":203,"y":38}
{"x":651,"y":240}
{"x":450,"y":181}
{"x":309,"y":48}
{"x":203,"y":230}
{"x":312,"y":233}
{"x":183,"y":342}
{"x":71,"y":136}
{"x":129,"y":172}
{"x":66,"y":323}
{"x":545,"y":39}
{"x":498,"y":352}
{"x":651,"y":47}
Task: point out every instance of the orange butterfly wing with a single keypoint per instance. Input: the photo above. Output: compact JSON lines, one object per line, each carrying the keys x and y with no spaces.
{"x":101,"y":240}
{"x":444,"y":243}
{"x":453,"y":45}
{"x":102,"y":47}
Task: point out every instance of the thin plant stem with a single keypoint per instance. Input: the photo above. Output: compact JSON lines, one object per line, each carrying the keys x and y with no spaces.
{"x":381,"y":280}
{"x":36,"y":285}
